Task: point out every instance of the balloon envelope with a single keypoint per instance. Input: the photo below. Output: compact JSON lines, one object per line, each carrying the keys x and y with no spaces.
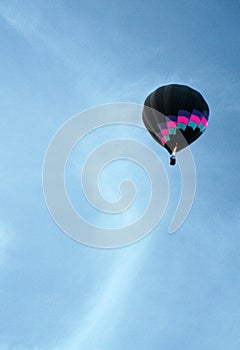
{"x":175,"y":115}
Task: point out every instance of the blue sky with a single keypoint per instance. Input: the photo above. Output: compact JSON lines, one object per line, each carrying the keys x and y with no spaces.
{"x":166,"y":291}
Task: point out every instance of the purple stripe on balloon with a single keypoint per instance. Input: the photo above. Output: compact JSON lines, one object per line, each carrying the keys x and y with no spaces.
{"x":197,"y":113}
{"x":184,"y":113}
{"x":206,"y":114}
{"x":172,"y":118}
{"x":162,"y":126}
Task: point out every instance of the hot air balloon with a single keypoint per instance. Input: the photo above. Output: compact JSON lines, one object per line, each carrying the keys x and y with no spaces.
{"x":175,"y":115}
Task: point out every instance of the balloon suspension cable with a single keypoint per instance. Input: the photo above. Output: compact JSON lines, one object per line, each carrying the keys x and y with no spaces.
{"x":173,"y":155}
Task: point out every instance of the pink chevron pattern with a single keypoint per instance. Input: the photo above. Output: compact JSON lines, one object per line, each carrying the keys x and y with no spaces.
{"x":178,"y":122}
{"x":204,"y":121}
{"x":171,"y":124}
{"x":195,"y":118}
{"x":183,"y":119}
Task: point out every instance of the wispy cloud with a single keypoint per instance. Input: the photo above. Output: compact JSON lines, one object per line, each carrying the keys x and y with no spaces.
{"x":30,"y":22}
{"x":96,"y":329}
{"x":5,"y":239}
{"x":24,"y":19}
{"x":107,"y":305}
{"x":82,"y":55}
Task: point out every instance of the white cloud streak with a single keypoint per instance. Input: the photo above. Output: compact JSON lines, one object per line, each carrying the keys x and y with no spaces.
{"x":5,"y":239}
{"x":96,"y":329}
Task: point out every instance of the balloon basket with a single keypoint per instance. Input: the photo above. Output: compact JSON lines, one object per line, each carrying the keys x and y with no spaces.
{"x":172,"y":160}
